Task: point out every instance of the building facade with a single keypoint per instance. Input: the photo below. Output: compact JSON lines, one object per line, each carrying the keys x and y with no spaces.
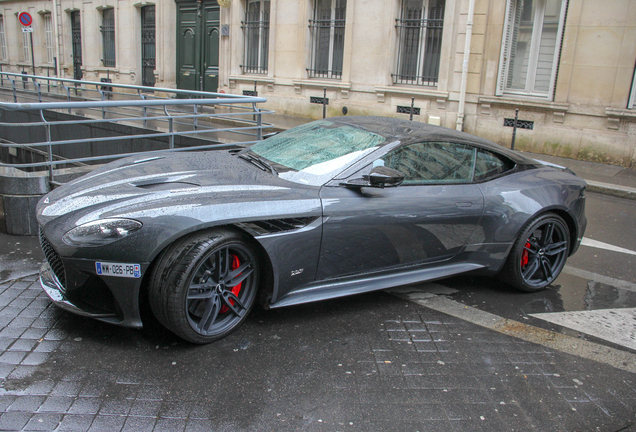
{"x":567,"y":66}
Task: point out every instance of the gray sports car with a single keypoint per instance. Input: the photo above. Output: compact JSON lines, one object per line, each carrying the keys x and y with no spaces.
{"x":328,"y":209}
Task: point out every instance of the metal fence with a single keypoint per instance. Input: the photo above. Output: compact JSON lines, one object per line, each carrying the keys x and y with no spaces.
{"x":51,"y":115}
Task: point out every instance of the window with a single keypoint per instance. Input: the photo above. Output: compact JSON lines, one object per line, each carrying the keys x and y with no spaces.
{"x":327,"y":29}
{"x":108,"y":37}
{"x":148,"y":47}
{"x":4,"y":55}
{"x":256,"y":32}
{"x":419,"y":41}
{"x":433,"y":162}
{"x":489,"y":165}
{"x":530,"y":48}
{"x":48,"y":38}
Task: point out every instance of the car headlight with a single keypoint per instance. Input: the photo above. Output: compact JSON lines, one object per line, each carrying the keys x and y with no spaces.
{"x":101,"y":232}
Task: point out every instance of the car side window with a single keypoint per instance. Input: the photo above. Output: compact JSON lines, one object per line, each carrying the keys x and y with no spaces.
{"x":433,"y":162}
{"x":490,"y":165}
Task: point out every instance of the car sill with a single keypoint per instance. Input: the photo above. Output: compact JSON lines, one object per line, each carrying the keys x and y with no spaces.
{"x":334,"y":289}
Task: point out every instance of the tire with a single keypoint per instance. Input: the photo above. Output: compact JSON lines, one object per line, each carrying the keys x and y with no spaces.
{"x":205,"y":285}
{"x":539,"y":254}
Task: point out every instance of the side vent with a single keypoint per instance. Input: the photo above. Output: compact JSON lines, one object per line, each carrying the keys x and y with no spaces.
{"x":274,"y":226}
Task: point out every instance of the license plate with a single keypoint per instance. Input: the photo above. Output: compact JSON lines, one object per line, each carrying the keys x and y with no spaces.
{"x":118,"y":269}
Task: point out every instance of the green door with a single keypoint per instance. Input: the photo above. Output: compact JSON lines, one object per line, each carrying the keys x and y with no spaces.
{"x":211,"y":48}
{"x":198,"y":45}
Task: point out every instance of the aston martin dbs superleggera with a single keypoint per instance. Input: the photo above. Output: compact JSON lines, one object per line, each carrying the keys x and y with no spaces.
{"x":328,"y":209}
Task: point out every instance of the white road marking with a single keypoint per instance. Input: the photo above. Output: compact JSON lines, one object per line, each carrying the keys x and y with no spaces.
{"x":603,"y":354}
{"x":584,"y":274}
{"x":600,"y":245}
{"x":613,"y":325}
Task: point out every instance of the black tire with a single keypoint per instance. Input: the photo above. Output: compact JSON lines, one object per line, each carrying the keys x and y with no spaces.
{"x":539,"y":254}
{"x":204,"y":285}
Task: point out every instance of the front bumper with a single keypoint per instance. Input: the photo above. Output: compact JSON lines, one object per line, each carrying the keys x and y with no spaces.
{"x":124,"y":295}
{"x":54,"y":289}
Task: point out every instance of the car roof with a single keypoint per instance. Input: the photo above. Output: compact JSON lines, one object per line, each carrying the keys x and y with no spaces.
{"x":411,"y":131}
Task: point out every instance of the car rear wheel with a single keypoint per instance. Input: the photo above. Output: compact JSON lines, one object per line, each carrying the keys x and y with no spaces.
{"x":539,"y":254}
{"x":205,"y":285}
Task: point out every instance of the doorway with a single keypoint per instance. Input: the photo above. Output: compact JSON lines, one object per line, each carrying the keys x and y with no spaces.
{"x":198,"y":45}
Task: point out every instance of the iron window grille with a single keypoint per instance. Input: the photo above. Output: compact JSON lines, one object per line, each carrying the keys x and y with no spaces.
{"x":3,"y":40}
{"x":48,"y":38}
{"x":407,"y":110}
{"x":108,"y":37}
{"x":521,"y":124}
{"x":148,"y":46}
{"x":256,"y":34}
{"x":419,"y":42}
{"x":76,"y":33}
{"x":327,"y":28}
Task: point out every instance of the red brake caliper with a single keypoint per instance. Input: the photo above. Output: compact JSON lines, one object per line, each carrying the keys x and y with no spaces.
{"x":525,"y":255}
{"x":237,"y":289}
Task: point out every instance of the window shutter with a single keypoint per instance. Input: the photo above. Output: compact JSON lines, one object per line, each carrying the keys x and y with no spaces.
{"x":504,"y":58}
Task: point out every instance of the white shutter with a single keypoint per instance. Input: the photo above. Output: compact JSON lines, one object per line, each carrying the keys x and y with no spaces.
{"x":505,"y":47}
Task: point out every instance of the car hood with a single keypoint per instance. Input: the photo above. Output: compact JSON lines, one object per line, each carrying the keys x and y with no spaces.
{"x":140,"y":184}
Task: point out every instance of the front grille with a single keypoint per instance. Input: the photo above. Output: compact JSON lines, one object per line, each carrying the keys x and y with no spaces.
{"x":53,"y":258}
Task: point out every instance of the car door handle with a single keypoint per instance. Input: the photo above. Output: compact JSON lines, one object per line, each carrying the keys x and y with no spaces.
{"x":464,"y":204}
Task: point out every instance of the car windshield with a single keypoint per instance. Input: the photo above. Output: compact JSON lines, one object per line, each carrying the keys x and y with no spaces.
{"x":315,"y":152}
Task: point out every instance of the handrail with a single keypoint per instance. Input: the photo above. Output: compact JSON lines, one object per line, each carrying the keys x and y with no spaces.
{"x":212,"y":120}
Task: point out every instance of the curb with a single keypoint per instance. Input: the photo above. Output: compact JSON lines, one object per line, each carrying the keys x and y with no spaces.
{"x":611,"y":189}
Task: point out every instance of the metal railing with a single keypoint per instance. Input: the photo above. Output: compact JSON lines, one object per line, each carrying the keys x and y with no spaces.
{"x":63,"y":115}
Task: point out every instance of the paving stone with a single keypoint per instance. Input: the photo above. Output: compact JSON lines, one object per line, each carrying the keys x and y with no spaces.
{"x":170,"y":425}
{"x":43,"y":422}
{"x":35,"y":359}
{"x":76,"y":422}
{"x":120,"y":407}
{"x":59,"y":404}
{"x":85,"y":405}
{"x":107,"y":423}
{"x":27,"y":403}
{"x":14,"y":421}
{"x":140,"y":424}
{"x":66,"y":388}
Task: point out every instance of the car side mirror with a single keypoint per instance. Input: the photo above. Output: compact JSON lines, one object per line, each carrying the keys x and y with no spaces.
{"x":382,"y":177}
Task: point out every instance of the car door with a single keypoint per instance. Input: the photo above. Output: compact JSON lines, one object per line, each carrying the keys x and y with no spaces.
{"x":428,"y":218}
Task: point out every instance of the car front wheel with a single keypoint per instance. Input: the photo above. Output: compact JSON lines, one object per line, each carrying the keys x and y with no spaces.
{"x":205,"y":285}
{"x":539,"y":254}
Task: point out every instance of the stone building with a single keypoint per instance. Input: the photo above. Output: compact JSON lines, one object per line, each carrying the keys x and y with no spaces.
{"x":568,"y":66}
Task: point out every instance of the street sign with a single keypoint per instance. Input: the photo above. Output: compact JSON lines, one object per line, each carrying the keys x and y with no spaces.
{"x":25,"y":19}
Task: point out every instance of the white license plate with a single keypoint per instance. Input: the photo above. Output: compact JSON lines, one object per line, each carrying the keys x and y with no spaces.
{"x":118,"y":269}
